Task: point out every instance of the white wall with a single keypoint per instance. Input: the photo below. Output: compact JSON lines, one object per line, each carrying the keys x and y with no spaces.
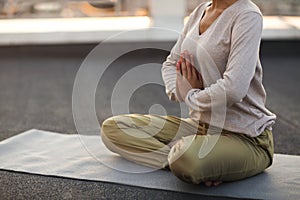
{"x":168,"y":13}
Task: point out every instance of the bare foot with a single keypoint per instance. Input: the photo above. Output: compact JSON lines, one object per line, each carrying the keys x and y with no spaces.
{"x":212,"y":183}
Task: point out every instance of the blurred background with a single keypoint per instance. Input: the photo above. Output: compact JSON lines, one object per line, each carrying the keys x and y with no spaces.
{"x":43,"y":43}
{"x":75,"y":21}
{"x":10,"y":9}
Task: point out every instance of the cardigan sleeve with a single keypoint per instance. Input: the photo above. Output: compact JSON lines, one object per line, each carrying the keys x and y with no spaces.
{"x":233,"y":86}
{"x":169,"y":66}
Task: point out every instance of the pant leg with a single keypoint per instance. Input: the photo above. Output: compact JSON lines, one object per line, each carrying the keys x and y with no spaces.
{"x":143,"y":138}
{"x":234,"y":157}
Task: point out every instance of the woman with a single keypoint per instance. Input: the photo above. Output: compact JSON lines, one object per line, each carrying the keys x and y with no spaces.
{"x":215,"y":69}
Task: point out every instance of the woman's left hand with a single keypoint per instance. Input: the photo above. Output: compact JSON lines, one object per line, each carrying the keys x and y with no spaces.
{"x":187,"y":75}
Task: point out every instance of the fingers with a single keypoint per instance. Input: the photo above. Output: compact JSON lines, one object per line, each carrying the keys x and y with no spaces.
{"x":199,"y":77}
{"x":188,"y":64}
{"x":195,"y":72}
{"x":186,"y":67}
{"x":183,"y":65}
{"x":193,"y":69}
{"x":178,"y":67}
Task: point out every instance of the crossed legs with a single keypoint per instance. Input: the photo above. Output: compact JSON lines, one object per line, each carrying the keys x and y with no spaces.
{"x":147,"y":139}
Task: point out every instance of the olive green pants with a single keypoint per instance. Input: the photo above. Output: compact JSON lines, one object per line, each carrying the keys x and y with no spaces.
{"x":146,"y":139}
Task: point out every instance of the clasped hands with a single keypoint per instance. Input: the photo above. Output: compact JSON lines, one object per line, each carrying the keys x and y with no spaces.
{"x":187,"y":75}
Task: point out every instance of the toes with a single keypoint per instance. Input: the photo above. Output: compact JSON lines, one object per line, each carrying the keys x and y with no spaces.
{"x":208,"y":183}
{"x":212,"y":183}
{"x":216,"y":183}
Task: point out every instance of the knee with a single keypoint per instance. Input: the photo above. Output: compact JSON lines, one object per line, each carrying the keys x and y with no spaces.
{"x":110,"y":128}
{"x":185,"y":163}
{"x":107,"y":125}
{"x":106,"y":128}
{"x":111,"y":133}
{"x":116,"y":128}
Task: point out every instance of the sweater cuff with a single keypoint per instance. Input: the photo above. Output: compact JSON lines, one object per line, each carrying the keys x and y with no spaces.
{"x":189,"y":96}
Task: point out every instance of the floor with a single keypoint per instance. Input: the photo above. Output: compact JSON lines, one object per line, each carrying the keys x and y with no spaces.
{"x":36,"y":84}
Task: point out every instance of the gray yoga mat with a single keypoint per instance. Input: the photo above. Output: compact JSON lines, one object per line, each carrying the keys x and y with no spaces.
{"x":52,"y":154}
